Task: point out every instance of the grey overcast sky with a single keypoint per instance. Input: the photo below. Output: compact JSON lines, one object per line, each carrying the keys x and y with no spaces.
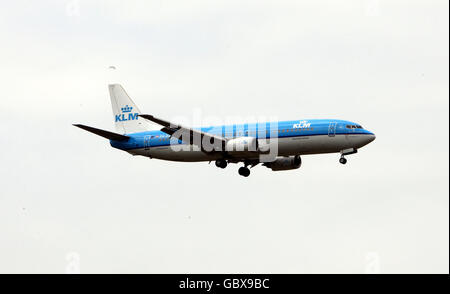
{"x":71,"y":203}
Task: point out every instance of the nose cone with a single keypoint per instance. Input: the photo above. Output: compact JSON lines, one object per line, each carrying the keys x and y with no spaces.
{"x":370,"y":138}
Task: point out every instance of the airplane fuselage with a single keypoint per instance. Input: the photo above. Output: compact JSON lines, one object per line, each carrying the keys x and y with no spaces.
{"x":299,"y":137}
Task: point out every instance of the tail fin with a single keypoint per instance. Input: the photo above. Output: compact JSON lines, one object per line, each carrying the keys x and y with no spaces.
{"x":126,"y":113}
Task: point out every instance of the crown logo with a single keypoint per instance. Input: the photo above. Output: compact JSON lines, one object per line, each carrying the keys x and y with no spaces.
{"x":126,"y":108}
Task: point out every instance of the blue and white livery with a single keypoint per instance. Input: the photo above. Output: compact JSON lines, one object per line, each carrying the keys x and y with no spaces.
{"x":276,"y":145}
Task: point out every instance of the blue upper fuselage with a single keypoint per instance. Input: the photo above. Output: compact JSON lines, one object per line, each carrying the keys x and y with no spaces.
{"x":283,"y":129}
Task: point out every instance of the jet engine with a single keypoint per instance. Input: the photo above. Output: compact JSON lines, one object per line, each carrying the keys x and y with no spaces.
{"x":242,"y":144}
{"x":284,"y":163}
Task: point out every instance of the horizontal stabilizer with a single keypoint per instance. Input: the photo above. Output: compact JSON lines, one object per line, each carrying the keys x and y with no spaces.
{"x":103,"y":133}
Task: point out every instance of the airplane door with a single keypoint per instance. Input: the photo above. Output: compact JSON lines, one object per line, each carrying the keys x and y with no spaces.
{"x":332,"y":129}
{"x":147,"y":142}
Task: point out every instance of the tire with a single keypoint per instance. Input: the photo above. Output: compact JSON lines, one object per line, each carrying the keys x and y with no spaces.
{"x":343,"y":160}
{"x":221,"y":163}
{"x":243,"y":171}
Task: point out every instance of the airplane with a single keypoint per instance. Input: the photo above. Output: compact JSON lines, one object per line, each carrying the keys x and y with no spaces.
{"x":275,"y":145}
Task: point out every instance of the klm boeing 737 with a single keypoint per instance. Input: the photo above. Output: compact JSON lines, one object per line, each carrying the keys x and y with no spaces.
{"x":275,"y":145}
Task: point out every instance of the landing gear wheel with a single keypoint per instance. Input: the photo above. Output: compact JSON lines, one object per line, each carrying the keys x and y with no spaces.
{"x":244,"y":171}
{"x":343,"y":160}
{"x":221,"y":163}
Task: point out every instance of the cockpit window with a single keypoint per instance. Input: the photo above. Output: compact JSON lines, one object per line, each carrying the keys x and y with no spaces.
{"x":353,"y":127}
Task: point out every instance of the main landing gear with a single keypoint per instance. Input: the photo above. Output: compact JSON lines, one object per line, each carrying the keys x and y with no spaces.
{"x":244,"y":171}
{"x":222,"y":163}
{"x":343,"y":160}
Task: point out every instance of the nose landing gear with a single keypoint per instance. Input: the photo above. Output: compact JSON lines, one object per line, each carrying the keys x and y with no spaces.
{"x":343,"y":160}
{"x":344,"y":152}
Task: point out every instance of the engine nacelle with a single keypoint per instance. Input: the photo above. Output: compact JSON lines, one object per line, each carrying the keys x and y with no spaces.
{"x":285,"y":163}
{"x":242,"y":144}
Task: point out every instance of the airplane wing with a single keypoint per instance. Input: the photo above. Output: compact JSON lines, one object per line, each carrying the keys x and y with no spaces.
{"x":189,"y":135}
